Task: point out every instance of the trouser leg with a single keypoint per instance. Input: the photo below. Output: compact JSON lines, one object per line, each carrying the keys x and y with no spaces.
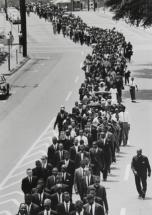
{"x":144,"y":183}
{"x":138,"y":185}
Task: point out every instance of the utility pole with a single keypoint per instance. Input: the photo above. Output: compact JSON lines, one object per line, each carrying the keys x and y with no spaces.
{"x":88,"y":5}
{"x":6,"y":9}
{"x":23,"y":26}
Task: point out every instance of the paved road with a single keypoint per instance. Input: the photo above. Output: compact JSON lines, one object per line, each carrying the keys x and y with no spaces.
{"x":52,"y":78}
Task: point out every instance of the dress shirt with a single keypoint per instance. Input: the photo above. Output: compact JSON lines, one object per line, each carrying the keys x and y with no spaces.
{"x":81,"y":213}
{"x":82,"y":155}
{"x":67,"y":205}
{"x":66,"y":162}
{"x":93,"y":208}
{"x":47,"y":212}
{"x":59,"y":197}
{"x":84,"y":138}
{"x":124,"y":116}
{"x":76,"y":148}
{"x":88,"y":178}
{"x":82,"y":171}
{"x":28,"y":207}
{"x":41,"y":196}
{"x":61,"y":155}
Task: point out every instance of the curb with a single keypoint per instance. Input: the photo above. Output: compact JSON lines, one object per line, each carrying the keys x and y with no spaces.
{"x":21,"y":64}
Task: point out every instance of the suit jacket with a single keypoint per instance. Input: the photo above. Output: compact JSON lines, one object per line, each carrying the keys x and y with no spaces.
{"x":50,"y":182}
{"x":34,"y":210}
{"x":40,"y":173}
{"x":57,"y":157}
{"x":59,"y":120}
{"x":37,"y":201}
{"x":101,"y":193}
{"x":55,"y":201}
{"x":61,"y":209}
{"x":78,"y":179}
{"x":52,"y":212}
{"x":70,"y":168}
{"x":73,"y":152}
{"x":51,"y":154}
{"x":98,"y":209}
{"x":78,"y":158}
{"x":97,"y":158}
{"x":27,"y":186}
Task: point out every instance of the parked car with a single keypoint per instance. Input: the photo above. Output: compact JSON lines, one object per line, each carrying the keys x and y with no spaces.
{"x":4,"y":87}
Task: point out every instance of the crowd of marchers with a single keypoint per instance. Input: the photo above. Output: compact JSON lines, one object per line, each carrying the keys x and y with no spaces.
{"x":89,"y":137}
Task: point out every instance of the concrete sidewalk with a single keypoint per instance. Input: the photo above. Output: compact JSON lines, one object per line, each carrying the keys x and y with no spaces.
{"x":16,"y":58}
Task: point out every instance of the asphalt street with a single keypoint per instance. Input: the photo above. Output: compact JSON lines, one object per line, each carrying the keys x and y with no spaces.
{"x":52,"y":78}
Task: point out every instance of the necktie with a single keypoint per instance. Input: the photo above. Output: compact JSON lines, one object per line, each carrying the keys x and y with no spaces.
{"x":91,"y":211}
{"x":88,"y":181}
{"x":67,"y":209}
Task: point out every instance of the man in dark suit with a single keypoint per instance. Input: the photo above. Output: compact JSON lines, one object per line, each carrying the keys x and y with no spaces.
{"x":57,"y":197}
{"x":59,"y":155}
{"x":66,"y":207}
{"x":74,"y":149}
{"x":100,"y":192}
{"x":97,"y":159}
{"x":92,"y":208}
{"x":81,"y":155}
{"x":38,"y":171}
{"x":62,"y":115}
{"x":47,"y":208}
{"x":141,"y":168}
{"x":88,"y":180}
{"x":69,"y":164}
{"x":52,"y":150}
{"x":66,"y":178}
{"x":32,"y":209}
{"x":52,"y":180}
{"x":29,"y":182}
{"x":40,"y":196}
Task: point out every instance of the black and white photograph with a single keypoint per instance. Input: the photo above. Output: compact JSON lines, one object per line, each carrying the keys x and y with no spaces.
{"x":75,"y":107}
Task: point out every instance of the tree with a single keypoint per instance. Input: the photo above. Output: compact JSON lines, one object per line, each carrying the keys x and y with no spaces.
{"x":135,"y":12}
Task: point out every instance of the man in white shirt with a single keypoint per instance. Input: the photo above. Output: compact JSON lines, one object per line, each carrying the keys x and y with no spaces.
{"x":124,"y":119}
{"x":82,"y":137}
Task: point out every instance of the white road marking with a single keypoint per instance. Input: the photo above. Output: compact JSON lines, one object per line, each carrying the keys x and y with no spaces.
{"x":127,"y":172}
{"x":68,"y":96}
{"x":27,"y":163}
{"x":10,"y":200}
{"x":81,"y":65}
{"x":12,"y":193}
{"x":40,"y":146}
{"x":42,"y":152}
{"x":10,"y":185}
{"x":18,"y":174}
{"x":55,"y":133}
{"x":82,"y":52}
{"x":76,"y":79}
{"x":5,"y":212}
{"x":25,"y":155}
{"x":123,"y":211}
